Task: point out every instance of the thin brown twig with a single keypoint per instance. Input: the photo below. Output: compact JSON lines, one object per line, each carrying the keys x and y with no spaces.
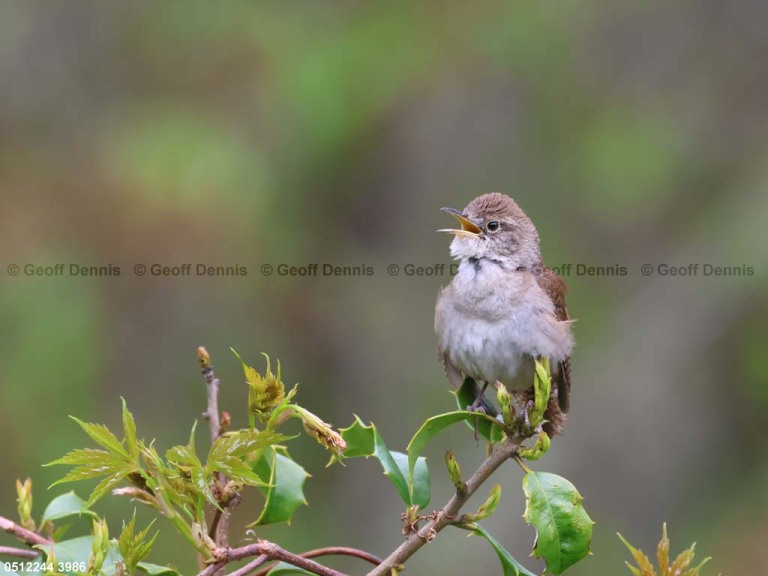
{"x":331,"y":551}
{"x":272,"y":552}
{"x":31,"y":538}
{"x":19,"y":552}
{"x":445,"y":516}
{"x":250,"y":567}
{"x":219,"y":527}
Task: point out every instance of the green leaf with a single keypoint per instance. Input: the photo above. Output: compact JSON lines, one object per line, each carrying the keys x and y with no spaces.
{"x":77,"y":551}
{"x":240,"y":444}
{"x":103,"y":437}
{"x":431,"y":428}
{"x":284,"y":569}
{"x":465,"y":396}
{"x":69,"y":504}
{"x":285,"y":492}
{"x":542,"y":385}
{"x":365,"y":441}
{"x":134,"y":547}
{"x":129,"y":429}
{"x":563,"y":527}
{"x":510,"y":566}
{"x":155,"y":570}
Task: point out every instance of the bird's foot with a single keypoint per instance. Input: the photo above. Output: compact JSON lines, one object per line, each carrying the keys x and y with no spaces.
{"x":477,"y":408}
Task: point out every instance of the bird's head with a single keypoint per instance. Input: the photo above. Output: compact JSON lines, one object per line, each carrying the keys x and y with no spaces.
{"x":493,"y":226}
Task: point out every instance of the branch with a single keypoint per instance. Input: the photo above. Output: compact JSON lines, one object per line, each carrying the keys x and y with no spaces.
{"x":211,"y":413}
{"x":220,"y":523}
{"x":272,"y":552}
{"x":250,"y":567}
{"x":31,"y":538}
{"x":500,"y":454}
{"x":19,"y":552}
{"x":328,"y":551}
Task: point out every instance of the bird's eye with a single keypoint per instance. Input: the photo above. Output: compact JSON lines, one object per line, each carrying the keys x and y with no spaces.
{"x":492,"y":226}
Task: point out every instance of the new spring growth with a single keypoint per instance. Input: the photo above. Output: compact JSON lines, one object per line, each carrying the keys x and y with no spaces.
{"x":539,"y":449}
{"x":454,"y":472}
{"x":505,"y":401}
{"x":411,"y":518}
{"x":542,"y":385}
{"x":322,"y":432}
{"x":201,"y":540}
{"x":264,"y":392}
{"x":204,"y":358}
{"x":99,"y":547}
{"x":488,"y":507}
{"x":680,"y":566}
{"x":24,"y":498}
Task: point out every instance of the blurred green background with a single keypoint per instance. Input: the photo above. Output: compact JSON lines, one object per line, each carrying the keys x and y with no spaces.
{"x":264,"y":132}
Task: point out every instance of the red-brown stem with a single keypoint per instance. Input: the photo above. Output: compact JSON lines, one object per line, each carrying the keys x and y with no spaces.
{"x":250,"y":567}
{"x":31,"y":538}
{"x":219,"y":527}
{"x":19,"y":552}
{"x":272,"y":552}
{"x":331,"y":551}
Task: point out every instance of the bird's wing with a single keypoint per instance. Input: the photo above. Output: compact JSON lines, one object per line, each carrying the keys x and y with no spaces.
{"x":555,"y":287}
{"x":455,"y":377}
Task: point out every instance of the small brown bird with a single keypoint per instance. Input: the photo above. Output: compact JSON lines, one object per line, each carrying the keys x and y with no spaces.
{"x":504,"y":307}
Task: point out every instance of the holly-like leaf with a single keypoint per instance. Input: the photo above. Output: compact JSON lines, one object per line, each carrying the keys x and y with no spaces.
{"x":466,"y":396}
{"x":431,"y":428}
{"x":285,"y":492}
{"x":365,"y":441}
{"x":563,"y":527}
{"x":64,"y":506}
{"x":509,"y":565}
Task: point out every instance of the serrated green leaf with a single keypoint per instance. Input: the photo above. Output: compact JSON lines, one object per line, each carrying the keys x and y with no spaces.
{"x":509,"y":565}
{"x":564,"y":529}
{"x":129,"y":429}
{"x":103,"y":437}
{"x":283,"y":569}
{"x":105,"y":487}
{"x":285,"y":493}
{"x":365,"y":441}
{"x":134,"y":547}
{"x":465,"y":396}
{"x":69,"y":504}
{"x":240,"y":444}
{"x":431,"y":428}
{"x":155,"y":570}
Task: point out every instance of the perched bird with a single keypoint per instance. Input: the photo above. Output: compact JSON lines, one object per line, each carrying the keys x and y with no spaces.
{"x":504,"y":307}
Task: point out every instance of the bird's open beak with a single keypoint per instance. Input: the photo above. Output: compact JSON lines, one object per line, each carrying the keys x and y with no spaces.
{"x":468,"y":228}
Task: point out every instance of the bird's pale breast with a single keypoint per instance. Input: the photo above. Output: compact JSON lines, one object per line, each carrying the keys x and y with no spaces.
{"x":491,"y":322}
